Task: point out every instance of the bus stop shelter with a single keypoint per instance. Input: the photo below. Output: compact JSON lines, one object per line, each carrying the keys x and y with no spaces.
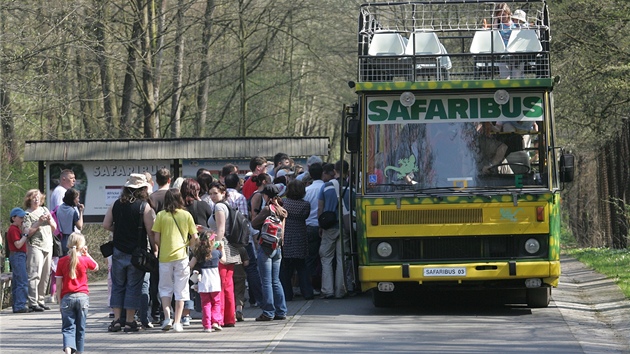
{"x":101,"y":166}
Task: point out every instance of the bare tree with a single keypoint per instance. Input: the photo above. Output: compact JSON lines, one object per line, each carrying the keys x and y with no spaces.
{"x":146,"y":56}
{"x":107,"y":80}
{"x":177,"y":71}
{"x":204,"y":71}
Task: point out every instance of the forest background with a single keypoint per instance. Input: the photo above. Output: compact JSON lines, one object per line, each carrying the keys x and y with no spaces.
{"x":101,"y":69}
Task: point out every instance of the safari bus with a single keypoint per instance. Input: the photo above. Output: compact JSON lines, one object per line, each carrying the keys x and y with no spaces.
{"x":453,"y":152}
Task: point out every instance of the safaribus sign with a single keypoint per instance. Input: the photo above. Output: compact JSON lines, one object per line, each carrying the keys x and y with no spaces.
{"x":451,"y":109}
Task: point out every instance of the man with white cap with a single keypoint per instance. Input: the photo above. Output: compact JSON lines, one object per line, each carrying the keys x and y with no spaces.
{"x":311,"y":160}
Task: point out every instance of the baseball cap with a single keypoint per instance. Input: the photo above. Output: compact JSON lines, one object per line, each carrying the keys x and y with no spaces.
{"x":18,"y":212}
{"x":313,"y":159}
{"x":284,"y":172}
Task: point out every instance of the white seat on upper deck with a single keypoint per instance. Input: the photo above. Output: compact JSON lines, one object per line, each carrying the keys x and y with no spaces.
{"x":525,"y":40}
{"x":487,"y":48}
{"x":384,"y":65}
{"x":487,"y":42}
{"x":387,"y":43}
{"x":427,"y":43}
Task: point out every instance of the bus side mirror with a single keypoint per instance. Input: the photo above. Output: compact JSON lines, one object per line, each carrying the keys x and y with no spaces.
{"x":353,"y":135}
{"x":567,"y":168}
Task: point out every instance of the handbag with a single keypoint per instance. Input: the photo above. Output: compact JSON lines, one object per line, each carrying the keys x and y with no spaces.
{"x":141,"y":258}
{"x":144,"y":260}
{"x":327,"y":219}
{"x":56,"y":247}
{"x":107,"y":249}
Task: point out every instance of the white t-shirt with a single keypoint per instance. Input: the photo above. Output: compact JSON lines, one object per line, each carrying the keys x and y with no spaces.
{"x":56,"y":197}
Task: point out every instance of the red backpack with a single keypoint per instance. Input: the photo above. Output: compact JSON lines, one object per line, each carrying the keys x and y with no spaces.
{"x":271,"y":232}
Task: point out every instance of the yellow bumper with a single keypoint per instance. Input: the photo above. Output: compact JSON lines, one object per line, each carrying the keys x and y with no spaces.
{"x":549,"y":271}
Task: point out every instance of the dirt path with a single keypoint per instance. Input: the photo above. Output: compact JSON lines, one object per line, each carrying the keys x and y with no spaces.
{"x":594,"y":308}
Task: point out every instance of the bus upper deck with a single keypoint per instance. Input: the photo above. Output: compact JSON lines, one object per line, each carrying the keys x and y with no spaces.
{"x":453,"y":40}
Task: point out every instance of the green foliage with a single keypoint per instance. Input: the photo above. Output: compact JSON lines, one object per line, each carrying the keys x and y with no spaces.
{"x":591,"y":41}
{"x":610,"y":262}
{"x":15,"y":180}
{"x":567,"y":240}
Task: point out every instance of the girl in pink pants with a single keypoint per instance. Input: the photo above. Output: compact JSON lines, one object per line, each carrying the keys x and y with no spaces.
{"x":207,"y":257}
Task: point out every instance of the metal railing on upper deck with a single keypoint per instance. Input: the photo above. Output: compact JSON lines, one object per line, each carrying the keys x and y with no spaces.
{"x":453,"y":40}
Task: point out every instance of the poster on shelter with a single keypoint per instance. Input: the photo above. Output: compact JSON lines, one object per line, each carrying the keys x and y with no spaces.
{"x":100,"y":182}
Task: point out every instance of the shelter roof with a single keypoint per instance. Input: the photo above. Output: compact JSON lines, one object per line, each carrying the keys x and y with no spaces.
{"x":162,"y":149}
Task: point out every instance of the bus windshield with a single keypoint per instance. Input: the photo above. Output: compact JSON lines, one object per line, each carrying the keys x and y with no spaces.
{"x":415,"y":156}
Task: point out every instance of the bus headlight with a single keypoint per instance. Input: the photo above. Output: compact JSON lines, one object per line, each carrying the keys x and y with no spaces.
{"x":384,"y":249}
{"x":532,"y":246}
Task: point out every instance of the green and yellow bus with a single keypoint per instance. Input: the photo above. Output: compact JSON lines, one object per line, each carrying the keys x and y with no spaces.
{"x":452,"y":148}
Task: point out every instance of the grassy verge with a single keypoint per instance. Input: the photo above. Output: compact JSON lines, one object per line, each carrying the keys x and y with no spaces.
{"x":610,"y":262}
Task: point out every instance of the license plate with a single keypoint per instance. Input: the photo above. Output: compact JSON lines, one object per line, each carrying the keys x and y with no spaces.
{"x":445,"y":272}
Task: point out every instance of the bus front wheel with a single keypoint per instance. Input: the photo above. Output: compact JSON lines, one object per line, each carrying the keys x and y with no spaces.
{"x":539,"y":297}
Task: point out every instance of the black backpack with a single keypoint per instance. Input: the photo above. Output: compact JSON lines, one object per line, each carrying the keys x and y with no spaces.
{"x":238,"y":232}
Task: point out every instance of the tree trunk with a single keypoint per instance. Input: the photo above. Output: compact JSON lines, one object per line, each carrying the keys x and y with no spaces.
{"x":242,"y":57}
{"x":82,"y":94}
{"x":204,"y":71}
{"x":148,"y":99}
{"x":107,"y":83}
{"x":8,"y":127}
{"x":126,"y":119}
{"x":158,"y":19}
{"x":178,"y":68}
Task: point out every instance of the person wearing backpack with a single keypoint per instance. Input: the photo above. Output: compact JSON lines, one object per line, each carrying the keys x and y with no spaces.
{"x":238,"y":202}
{"x":274,"y":304}
{"x":254,"y":205}
{"x":330,"y":249}
{"x":218,"y":222}
{"x":69,"y":215}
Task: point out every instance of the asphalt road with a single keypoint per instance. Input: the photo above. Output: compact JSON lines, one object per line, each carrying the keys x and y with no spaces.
{"x":588,"y":314}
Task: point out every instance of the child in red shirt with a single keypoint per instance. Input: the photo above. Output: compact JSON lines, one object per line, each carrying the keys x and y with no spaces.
{"x":72,"y":292}
{"x":16,"y":241}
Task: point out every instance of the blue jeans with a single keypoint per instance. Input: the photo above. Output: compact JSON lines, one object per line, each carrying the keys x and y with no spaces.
{"x":253,"y":276}
{"x":143,"y":313}
{"x":273,"y":303}
{"x":287,"y":267}
{"x":74,"y":311}
{"x":19,"y":282}
{"x":64,"y":244}
{"x":126,"y":282}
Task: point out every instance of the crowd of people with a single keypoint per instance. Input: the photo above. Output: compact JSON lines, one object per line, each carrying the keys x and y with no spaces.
{"x":185,"y":225}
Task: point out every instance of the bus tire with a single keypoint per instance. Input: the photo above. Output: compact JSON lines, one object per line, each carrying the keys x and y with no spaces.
{"x":381,"y":299}
{"x":539,"y":297}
